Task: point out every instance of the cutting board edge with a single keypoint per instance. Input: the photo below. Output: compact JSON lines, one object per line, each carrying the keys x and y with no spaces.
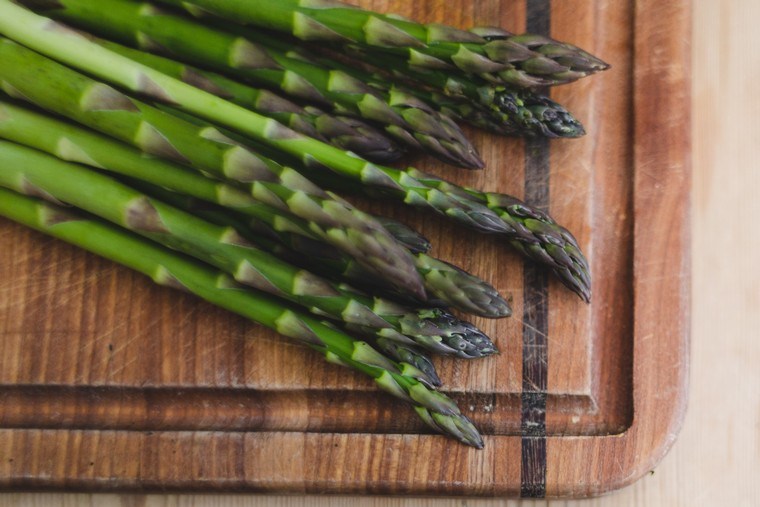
{"x":653,"y":430}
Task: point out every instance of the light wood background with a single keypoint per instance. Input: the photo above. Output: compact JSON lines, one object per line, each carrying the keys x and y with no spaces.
{"x":716,"y":460}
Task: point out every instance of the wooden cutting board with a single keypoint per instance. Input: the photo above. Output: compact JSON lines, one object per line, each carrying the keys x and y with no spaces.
{"x":108,"y":382}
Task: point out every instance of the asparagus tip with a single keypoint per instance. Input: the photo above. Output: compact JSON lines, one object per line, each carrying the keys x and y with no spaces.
{"x":464,"y":338}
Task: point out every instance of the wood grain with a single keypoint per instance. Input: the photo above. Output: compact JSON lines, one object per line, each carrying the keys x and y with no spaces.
{"x":112,"y":383}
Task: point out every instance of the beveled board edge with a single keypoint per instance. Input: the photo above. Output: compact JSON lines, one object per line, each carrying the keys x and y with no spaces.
{"x":662,"y":265}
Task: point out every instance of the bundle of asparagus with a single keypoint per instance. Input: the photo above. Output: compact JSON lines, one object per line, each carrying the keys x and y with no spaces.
{"x":174,"y":270}
{"x":178,"y":166}
{"x":525,"y":61}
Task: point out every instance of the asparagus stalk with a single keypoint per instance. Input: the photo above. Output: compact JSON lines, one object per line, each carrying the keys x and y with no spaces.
{"x":524,"y":61}
{"x":405,"y":118}
{"x":56,"y":41}
{"x":515,"y":113}
{"x":530,"y":230}
{"x":448,"y":284}
{"x":73,"y":143}
{"x":409,"y":355}
{"x":35,"y":173}
{"x":347,"y":133}
{"x":31,"y":76}
{"x":497,"y":108}
{"x":433,"y":329}
{"x":411,"y":239}
{"x":174,"y":270}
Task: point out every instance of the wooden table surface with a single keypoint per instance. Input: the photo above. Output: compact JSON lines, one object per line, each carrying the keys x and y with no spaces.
{"x":717,"y":458}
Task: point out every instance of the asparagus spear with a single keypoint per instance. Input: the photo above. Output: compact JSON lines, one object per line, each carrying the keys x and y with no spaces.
{"x":411,"y":239}
{"x":174,"y":270}
{"x":496,"y":108}
{"x":515,"y":113}
{"x":447,"y":284}
{"x":347,"y":133}
{"x":26,"y":170}
{"x":524,"y":61}
{"x":433,"y":329}
{"x":405,"y":118}
{"x":409,"y":355}
{"x":529,"y":230}
{"x":75,"y":144}
{"x":44,"y":82}
{"x":55,"y":40}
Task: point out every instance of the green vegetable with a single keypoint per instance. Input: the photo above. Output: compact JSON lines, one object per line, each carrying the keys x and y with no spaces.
{"x":447,"y":284}
{"x":344,"y":132}
{"x":174,"y":270}
{"x":523,"y":60}
{"x":143,"y":25}
{"x":529,"y":230}
{"x":409,"y":355}
{"x":442,"y":281}
{"x":496,"y":108}
{"x":26,"y":170}
{"x":33,"y":77}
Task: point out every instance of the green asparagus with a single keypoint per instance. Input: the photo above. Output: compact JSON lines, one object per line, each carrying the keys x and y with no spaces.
{"x":409,"y":355}
{"x":531,"y":231}
{"x":515,"y":113}
{"x":31,"y":76}
{"x":433,"y":329}
{"x":26,"y":170}
{"x":55,"y":40}
{"x":404,"y":117}
{"x":496,"y":108}
{"x":524,"y":61}
{"x":447,"y":284}
{"x":173,"y":270}
{"x":500,"y":109}
{"x":73,"y":143}
{"x":411,"y":239}
{"x":528,"y":229}
{"x":348,"y":133}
